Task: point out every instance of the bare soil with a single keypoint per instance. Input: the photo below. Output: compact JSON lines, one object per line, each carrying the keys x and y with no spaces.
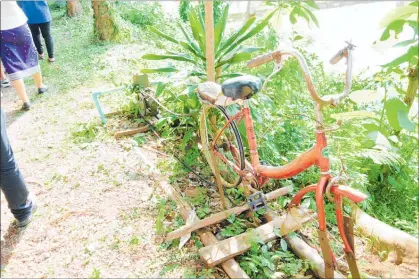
{"x":97,"y":203}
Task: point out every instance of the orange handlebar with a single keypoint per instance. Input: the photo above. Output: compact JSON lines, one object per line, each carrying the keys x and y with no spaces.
{"x":259,"y":60}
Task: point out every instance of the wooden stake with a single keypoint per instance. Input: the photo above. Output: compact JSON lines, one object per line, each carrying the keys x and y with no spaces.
{"x":218,"y":180}
{"x":220,"y":216}
{"x":209,"y":39}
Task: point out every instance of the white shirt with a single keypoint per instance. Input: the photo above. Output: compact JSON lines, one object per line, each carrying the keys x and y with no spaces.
{"x":12,"y":15}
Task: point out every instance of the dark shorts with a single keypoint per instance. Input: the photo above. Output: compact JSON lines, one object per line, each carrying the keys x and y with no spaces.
{"x":18,"y":53}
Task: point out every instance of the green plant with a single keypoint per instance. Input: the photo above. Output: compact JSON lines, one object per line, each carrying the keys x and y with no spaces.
{"x":301,"y":9}
{"x":95,"y":274}
{"x":141,"y":13}
{"x":237,"y":226}
{"x":228,"y":50}
{"x":263,"y":260}
{"x":85,"y":132}
{"x":185,"y":5}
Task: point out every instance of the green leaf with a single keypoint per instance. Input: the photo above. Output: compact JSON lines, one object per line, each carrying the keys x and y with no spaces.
{"x":244,"y":52}
{"x":353,"y":114}
{"x":293,"y":19}
{"x":297,"y":38}
{"x":366,"y":96}
{"x":410,"y":57}
{"x":197,"y":28}
{"x":379,"y":139}
{"x":397,"y":114}
{"x":159,"y":70}
{"x":191,"y":45}
{"x":259,"y":27}
{"x":312,"y":4}
{"x":313,"y":17}
{"x":160,"y":88}
{"x":396,"y":26}
{"x":399,"y":13}
{"x":161,"y":34}
{"x":237,"y":34}
{"x":231,"y":75}
{"x":220,"y":28}
{"x":284,"y":245}
{"x":406,"y":43}
{"x":236,"y":58}
{"x":277,"y":232}
{"x":178,"y":57}
{"x":404,"y":121}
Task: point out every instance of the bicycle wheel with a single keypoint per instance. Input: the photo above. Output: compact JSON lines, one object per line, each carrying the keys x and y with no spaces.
{"x":229,"y":145}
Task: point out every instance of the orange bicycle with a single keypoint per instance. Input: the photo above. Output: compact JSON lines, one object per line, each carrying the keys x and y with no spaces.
{"x":223,"y":147}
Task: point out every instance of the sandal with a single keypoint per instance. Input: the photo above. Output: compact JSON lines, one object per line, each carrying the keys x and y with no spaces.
{"x":41,"y":56}
{"x":51,"y":60}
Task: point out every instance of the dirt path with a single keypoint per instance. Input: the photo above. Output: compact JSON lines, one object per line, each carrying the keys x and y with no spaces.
{"x":97,"y":205}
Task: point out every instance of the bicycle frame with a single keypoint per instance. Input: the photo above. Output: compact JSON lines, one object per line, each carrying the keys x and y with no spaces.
{"x":317,"y":155}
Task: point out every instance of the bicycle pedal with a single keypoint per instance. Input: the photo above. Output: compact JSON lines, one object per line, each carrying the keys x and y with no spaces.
{"x":256,"y":201}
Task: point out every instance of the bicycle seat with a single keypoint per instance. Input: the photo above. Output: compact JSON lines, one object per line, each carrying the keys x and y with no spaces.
{"x":209,"y":91}
{"x":242,"y":87}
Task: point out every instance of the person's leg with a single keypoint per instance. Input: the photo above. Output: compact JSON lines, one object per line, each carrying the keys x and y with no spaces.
{"x":11,"y":180}
{"x":20,"y":88}
{"x":37,"y":77}
{"x":46,"y":34}
{"x":4,"y":80}
{"x":36,"y":36}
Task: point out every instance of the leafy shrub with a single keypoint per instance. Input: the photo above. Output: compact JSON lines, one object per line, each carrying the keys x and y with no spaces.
{"x":228,"y":50}
{"x":141,"y":13}
{"x":185,"y":5}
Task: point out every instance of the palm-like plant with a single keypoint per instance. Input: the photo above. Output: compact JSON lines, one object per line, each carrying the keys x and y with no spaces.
{"x":228,"y":49}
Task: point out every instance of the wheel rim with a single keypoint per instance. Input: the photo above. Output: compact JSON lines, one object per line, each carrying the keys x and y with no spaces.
{"x":229,"y":145}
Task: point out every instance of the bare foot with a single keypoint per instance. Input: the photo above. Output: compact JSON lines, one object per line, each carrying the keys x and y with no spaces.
{"x":51,"y":60}
{"x":41,"y":56}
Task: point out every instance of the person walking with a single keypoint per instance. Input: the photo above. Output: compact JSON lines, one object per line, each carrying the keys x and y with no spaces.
{"x":21,"y":202}
{"x":39,"y":21}
{"x":17,"y":51}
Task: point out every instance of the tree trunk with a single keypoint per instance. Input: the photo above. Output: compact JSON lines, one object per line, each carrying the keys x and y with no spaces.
{"x":105,"y":23}
{"x":412,"y":88}
{"x":73,"y":8}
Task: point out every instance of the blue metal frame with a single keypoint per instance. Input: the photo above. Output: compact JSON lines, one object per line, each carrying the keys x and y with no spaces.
{"x":95,"y":96}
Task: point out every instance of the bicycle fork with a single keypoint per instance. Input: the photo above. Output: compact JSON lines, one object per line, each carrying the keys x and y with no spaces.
{"x":345,"y":224}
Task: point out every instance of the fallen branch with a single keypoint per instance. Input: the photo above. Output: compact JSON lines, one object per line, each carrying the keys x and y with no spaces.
{"x":387,"y":237}
{"x":304,"y":251}
{"x":219,"y":217}
{"x":132,"y":131}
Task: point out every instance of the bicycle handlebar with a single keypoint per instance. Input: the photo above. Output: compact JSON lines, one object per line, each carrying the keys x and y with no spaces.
{"x":259,"y":60}
{"x":325,"y":100}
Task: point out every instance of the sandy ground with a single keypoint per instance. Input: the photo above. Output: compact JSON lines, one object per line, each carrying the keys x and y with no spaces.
{"x":94,"y":198}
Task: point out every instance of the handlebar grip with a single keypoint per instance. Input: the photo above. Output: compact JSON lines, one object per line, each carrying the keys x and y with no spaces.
{"x":338,"y":56}
{"x":259,"y":60}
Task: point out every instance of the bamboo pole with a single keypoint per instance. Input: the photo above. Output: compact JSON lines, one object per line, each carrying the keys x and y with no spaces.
{"x":209,"y":39}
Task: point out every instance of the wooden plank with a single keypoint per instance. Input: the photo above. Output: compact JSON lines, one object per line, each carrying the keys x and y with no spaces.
{"x":234,"y":246}
{"x":218,"y":217}
{"x":209,"y":40}
{"x":231,"y":267}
